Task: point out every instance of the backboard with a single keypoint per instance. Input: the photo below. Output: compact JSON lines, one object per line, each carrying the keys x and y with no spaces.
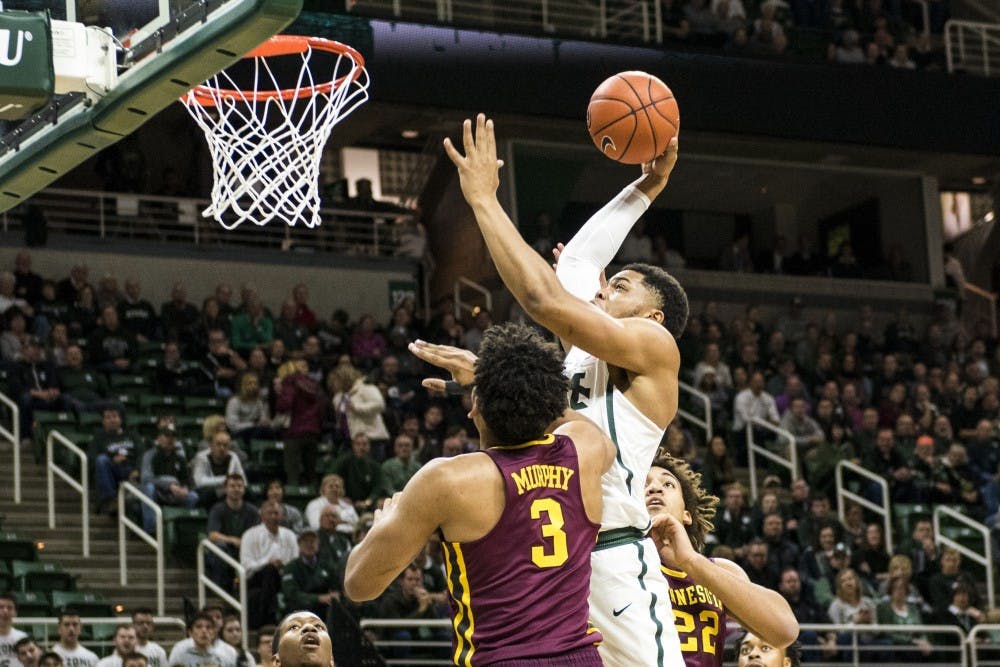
{"x":131,"y":21}
{"x":164,"y":52}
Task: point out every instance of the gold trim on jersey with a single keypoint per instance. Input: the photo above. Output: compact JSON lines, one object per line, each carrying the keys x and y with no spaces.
{"x":677,"y":574}
{"x":547,"y":439}
{"x":458,"y":587}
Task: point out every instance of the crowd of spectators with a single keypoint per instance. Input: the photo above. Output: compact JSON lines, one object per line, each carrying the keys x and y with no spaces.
{"x":917,"y":405}
{"x":214,"y":637}
{"x":857,"y":32}
{"x":778,"y":258}
{"x":343,"y":400}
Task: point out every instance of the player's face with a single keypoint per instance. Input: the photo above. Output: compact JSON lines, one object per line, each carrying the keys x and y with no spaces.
{"x":663,"y":495}
{"x":625,"y":295}
{"x":755,"y":652}
{"x":304,"y":642}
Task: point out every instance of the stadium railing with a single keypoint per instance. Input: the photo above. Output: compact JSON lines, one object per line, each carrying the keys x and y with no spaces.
{"x":125,"y":491}
{"x":856,"y":644}
{"x":13,"y":436}
{"x":989,"y":297}
{"x":844,"y":494}
{"x":240,"y":605}
{"x":984,"y":639}
{"x":178,"y":219}
{"x":46,"y":637}
{"x":80,"y":485}
{"x":633,"y":21}
{"x":984,"y":558}
{"x":784,"y":439}
{"x":461,"y":306}
{"x":867,"y":644}
{"x":705,"y":421}
{"x":972,"y":47}
{"x":415,"y":643}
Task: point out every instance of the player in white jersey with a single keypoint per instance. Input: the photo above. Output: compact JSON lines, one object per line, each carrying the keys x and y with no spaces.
{"x":623,"y":366}
{"x":9,"y":635}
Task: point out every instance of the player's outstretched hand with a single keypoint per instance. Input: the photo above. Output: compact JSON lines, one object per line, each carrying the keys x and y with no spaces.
{"x":460,"y":363}
{"x":662,"y":165}
{"x":672,"y":541}
{"x":479,"y":168}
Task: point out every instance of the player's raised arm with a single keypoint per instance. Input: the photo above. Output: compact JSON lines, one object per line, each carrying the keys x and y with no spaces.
{"x":638,"y":343}
{"x":581,"y":261}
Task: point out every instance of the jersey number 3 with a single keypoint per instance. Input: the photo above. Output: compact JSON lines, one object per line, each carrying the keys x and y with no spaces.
{"x":551,"y":529}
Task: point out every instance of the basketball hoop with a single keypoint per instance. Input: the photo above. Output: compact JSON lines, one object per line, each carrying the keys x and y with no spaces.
{"x":266,"y":142}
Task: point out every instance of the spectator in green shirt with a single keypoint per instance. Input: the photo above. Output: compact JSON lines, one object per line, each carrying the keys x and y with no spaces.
{"x":362,"y":475}
{"x":398,"y":470}
{"x":252,"y":328}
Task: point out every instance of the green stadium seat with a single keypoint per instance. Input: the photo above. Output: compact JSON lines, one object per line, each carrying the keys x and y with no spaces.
{"x":42,"y":577}
{"x":203,"y":406}
{"x":155,"y":404}
{"x":902,"y":513}
{"x":13,"y":547}
{"x":88,"y":604}
{"x":48,"y":419}
{"x":299,"y":495}
{"x":90,"y":421}
{"x":256,"y":492}
{"x":128,"y":399}
{"x":6,"y":577}
{"x":267,"y":456}
{"x":32,"y":604}
{"x":129,"y":382}
{"x":183,"y":529}
{"x":150,"y":350}
{"x":189,"y":426}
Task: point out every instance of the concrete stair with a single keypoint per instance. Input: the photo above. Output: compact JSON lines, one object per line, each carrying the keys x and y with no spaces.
{"x":100,"y":571}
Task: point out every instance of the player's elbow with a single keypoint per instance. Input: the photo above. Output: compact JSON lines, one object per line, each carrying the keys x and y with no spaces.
{"x":358,"y":585}
{"x":357,"y":588}
{"x":786,"y":627}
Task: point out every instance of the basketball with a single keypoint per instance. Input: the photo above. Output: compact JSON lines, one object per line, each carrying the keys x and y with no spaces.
{"x":632,"y":117}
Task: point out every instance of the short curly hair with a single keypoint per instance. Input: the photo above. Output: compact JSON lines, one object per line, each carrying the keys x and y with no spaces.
{"x":701,"y":504}
{"x":669,"y":295}
{"x":520,"y":386}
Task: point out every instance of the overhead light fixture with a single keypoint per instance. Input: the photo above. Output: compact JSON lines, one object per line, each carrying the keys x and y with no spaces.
{"x":989,"y":216}
{"x":409,"y":134}
{"x":979,"y":180}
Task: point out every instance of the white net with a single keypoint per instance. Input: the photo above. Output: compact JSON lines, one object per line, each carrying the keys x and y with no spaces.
{"x":266,"y":142}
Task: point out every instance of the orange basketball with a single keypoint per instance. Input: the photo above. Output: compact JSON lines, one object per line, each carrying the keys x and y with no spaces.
{"x":632,"y":117}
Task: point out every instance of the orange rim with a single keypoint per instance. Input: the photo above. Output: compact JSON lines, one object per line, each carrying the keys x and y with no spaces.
{"x":282,"y":45}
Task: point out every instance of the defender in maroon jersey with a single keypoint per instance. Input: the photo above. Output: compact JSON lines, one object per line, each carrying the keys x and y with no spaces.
{"x":518,"y":519}
{"x":704,"y":590}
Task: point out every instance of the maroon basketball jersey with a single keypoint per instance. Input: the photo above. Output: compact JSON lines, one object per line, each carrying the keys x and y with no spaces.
{"x":521,"y":590}
{"x":700,"y":619}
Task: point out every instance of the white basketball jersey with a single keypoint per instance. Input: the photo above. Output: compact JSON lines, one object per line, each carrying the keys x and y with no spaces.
{"x":636,"y":438}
